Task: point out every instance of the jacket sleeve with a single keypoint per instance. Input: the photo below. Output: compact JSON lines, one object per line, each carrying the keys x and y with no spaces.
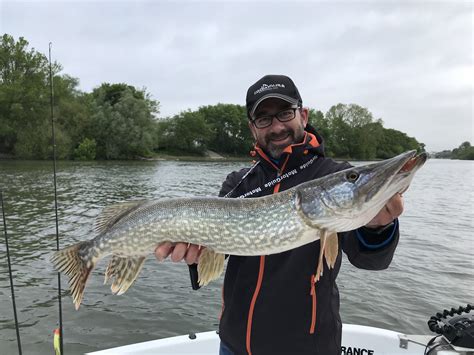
{"x":231,"y":182}
{"x":369,"y":249}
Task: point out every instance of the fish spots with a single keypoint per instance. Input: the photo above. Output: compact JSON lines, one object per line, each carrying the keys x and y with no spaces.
{"x":265,"y":228}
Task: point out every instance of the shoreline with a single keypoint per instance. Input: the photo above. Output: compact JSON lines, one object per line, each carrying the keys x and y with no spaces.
{"x":209,"y":157}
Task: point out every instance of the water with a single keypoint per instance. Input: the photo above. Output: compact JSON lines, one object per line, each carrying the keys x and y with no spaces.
{"x":432,"y":268}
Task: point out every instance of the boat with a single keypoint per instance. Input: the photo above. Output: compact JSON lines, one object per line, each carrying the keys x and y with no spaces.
{"x":356,"y":340}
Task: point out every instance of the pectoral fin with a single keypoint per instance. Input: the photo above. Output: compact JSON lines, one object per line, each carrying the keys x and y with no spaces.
{"x":322,"y":248}
{"x":210,"y":267}
{"x":332,"y":249}
{"x":329,"y":248}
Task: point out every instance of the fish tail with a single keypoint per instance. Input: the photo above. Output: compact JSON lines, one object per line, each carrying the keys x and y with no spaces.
{"x":77,"y":262}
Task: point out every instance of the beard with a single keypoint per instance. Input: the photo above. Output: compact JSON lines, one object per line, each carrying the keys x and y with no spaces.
{"x":274,"y":149}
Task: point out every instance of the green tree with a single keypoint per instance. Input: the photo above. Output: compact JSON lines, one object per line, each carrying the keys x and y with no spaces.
{"x":354,"y":134}
{"x":464,"y":152}
{"x":23,"y":96}
{"x":122,"y":121}
{"x":188,"y":132}
{"x":222,"y":128}
{"x":86,"y":150}
{"x":25,"y":119}
{"x":228,"y":123}
{"x":71,"y":113}
{"x":339,"y":132}
{"x":394,"y":142}
{"x":320,"y":123}
{"x":165,"y":134}
{"x":357,"y":130}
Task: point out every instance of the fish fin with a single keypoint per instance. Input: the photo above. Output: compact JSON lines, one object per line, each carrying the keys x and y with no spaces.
{"x":332,"y":249}
{"x":76,"y":262}
{"x":210,"y":266}
{"x":322,"y":248}
{"x":114,"y":213}
{"x":123,"y":271}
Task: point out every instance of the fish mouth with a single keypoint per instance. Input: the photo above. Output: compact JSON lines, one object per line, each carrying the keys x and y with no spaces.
{"x":404,"y":168}
{"x":413,"y":163}
{"x":394,"y":176}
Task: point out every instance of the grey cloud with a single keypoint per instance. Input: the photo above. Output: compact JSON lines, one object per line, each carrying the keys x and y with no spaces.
{"x":408,"y":62}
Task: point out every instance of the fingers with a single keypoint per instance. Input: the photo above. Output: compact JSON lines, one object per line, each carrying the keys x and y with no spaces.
{"x":163,"y":250}
{"x":392,"y":210}
{"x":179,"y":251}
{"x":395,"y":206}
{"x":192,"y":256}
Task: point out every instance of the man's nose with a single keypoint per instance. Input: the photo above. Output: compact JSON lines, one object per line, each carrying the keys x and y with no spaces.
{"x":277,"y":125}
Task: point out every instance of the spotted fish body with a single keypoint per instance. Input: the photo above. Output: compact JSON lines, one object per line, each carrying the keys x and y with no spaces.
{"x":260,"y":226}
{"x":314,"y":210}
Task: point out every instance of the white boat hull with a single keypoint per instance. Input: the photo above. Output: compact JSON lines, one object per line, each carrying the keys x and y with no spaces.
{"x":356,"y":340}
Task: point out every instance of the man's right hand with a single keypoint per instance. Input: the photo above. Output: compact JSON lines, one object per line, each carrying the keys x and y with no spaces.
{"x":179,"y":251}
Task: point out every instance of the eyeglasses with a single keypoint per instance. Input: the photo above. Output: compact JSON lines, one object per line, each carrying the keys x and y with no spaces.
{"x":282,"y":116}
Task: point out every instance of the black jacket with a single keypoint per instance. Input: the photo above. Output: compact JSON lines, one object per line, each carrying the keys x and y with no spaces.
{"x":269,"y":303}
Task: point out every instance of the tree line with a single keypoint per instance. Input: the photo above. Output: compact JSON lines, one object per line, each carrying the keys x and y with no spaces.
{"x":119,"y":121}
{"x":464,"y":152}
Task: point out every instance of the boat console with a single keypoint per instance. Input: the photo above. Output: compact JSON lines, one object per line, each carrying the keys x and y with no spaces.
{"x":455,"y":329}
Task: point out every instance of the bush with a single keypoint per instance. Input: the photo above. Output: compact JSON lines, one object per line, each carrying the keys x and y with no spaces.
{"x":86,"y":150}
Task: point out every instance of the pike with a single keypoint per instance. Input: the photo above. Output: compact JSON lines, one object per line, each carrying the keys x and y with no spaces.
{"x":317,"y":209}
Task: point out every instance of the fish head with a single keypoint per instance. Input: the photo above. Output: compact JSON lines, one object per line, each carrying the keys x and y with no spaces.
{"x":351,"y":198}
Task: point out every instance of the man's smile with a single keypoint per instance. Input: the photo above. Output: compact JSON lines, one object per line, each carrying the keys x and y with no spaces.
{"x":280,"y":138}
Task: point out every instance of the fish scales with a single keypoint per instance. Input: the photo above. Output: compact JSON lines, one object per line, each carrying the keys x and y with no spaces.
{"x":265,"y":226}
{"x":317,"y":209}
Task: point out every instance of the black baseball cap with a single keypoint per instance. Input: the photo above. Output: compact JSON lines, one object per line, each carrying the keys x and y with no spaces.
{"x":272,"y":86}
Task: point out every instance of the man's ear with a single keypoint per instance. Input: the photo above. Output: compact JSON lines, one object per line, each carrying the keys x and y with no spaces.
{"x":304,"y":112}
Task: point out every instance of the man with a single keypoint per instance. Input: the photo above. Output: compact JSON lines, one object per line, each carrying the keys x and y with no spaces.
{"x":272,"y":304}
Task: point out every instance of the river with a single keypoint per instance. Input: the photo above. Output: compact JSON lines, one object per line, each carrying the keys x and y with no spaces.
{"x":432,"y":268}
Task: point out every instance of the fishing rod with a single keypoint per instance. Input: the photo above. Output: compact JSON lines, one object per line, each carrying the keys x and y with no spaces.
{"x":10,"y":274}
{"x":56,"y":335}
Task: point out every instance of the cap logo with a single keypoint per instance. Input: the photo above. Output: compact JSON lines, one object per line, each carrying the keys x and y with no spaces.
{"x":266,"y":87}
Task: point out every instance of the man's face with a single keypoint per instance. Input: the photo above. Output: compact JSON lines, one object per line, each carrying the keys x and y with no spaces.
{"x":276,"y":137}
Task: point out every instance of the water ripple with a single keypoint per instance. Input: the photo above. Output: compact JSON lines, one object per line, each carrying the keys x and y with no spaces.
{"x":432,"y":268}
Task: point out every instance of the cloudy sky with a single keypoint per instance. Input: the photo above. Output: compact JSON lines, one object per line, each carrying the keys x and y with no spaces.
{"x":409,"y":62}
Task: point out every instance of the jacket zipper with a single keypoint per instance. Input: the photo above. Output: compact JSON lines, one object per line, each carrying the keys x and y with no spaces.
{"x":252,"y":304}
{"x":260,"y":277}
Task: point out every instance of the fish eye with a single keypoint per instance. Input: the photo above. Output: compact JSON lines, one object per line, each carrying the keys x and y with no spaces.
{"x":352,"y":176}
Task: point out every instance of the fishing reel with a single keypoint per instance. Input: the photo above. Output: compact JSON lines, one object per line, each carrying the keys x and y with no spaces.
{"x":456,"y":327}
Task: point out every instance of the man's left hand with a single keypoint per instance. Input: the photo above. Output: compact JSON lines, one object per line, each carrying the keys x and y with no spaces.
{"x":392,"y":210}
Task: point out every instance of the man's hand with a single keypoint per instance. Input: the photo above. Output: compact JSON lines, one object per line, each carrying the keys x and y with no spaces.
{"x":392,"y":210}
{"x":179,"y":251}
